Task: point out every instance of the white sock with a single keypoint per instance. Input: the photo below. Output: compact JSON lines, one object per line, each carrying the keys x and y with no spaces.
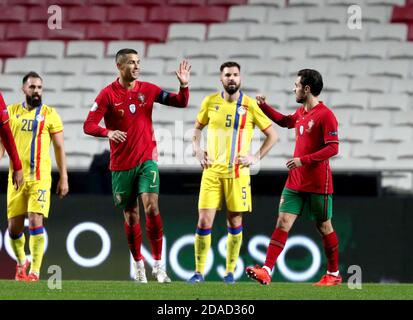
{"x":267,"y":269}
{"x":157,"y":263}
{"x":333,"y":273}
{"x":140,"y":264}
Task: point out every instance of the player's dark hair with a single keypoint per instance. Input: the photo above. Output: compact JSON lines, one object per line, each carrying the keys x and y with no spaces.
{"x":31,"y":74}
{"x":123,"y":52}
{"x":229,"y":64}
{"x":313,"y":79}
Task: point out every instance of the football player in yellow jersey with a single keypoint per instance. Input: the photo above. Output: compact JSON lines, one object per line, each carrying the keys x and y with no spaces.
{"x":231,"y":117}
{"x":34,"y":125}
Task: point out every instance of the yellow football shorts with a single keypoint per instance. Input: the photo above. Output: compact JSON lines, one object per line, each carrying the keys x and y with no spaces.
{"x":32,"y":196}
{"x":236,"y":191}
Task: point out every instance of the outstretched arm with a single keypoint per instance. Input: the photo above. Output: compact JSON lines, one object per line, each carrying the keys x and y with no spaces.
{"x":274,"y":115}
{"x":179,"y":100}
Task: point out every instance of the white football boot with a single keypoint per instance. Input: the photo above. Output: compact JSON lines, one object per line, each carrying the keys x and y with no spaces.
{"x":140,"y":274}
{"x":159,"y":273}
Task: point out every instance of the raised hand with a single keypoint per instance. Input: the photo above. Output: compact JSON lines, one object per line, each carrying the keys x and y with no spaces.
{"x":183,"y":73}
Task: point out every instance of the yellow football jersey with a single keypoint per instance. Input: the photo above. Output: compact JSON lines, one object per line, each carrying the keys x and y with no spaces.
{"x":32,"y":132}
{"x":230,"y":130}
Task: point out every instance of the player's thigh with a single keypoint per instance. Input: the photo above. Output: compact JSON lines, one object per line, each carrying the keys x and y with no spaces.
{"x":321,"y":207}
{"x":210,"y":193}
{"x":148,"y":177}
{"x":237,"y":192}
{"x":39,"y":197}
{"x":17,"y":200}
{"x":124,"y":188}
{"x":292,"y":202}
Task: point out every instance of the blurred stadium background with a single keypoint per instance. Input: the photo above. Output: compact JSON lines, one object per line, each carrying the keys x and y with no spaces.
{"x":368,"y":77}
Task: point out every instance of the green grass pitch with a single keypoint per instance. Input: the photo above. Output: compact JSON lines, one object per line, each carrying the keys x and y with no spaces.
{"x":177,"y":290}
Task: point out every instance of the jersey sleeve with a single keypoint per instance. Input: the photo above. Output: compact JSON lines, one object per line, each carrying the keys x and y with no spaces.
{"x":56,"y":124}
{"x":179,"y":100}
{"x":330,"y":127}
{"x":4,"y":116}
{"x":203,"y":117}
{"x":260,"y":119}
{"x":96,"y":113}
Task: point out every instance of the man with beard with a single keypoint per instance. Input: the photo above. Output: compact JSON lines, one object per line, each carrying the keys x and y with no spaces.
{"x":231,"y":117}
{"x":126,"y":106}
{"x":309,"y":185}
{"x":34,"y":125}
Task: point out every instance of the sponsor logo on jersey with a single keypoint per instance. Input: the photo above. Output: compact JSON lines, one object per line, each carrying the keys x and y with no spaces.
{"x":216,"y":108}
{"x":333,"y":133}
{"x":301,"y":130}
{"x":40,"y":118}
{"x":94,"y":107}
{"x":132,"y":108}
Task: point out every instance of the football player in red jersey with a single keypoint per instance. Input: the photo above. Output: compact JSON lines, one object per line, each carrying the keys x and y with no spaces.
{"x":309,"y":185}
{"x":126,"y":106}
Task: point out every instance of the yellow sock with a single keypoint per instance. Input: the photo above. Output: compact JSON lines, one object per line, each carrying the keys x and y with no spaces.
{"x":234,"y":242}
{"x":17,"y":244}
{"x":36,"y":244}
{"x":202,"y":245}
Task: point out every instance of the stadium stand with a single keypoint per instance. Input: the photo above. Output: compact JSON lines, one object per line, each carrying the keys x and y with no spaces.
{"x":368,"y":72}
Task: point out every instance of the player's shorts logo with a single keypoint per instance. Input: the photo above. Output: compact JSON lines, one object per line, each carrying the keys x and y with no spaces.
{"x":118,"y":198}
{"x":301,"y":130}
{"x":281,"y":200}
{"x":132,"y":108}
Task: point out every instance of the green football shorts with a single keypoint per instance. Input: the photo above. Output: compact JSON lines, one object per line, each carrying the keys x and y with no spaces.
{"x":127,"y":185}
{"x":319,"y":207}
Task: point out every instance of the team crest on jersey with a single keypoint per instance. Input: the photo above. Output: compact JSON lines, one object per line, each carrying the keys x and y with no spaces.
{"x":141,"y":99}
{"x":241,"y":110}
{"x":132,"y":108}
{"x":310,"y":125}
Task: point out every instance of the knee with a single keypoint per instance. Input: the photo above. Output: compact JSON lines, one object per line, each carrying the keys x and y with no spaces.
{"x":284,"y":223}
{"x":151,"y":208}
{"x":35,"y":220}
{"x":325,"y":228}
{"x":204,"y":223}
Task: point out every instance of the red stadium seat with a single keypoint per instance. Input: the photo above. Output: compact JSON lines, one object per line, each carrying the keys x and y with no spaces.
{"x":127,"y":14}
{"x":168,"y":14}
{"x":66,"y":3}
{"x":147,"y":2}
{"x":26,"y":31}
{"x":151,"y":32}
{"x":225,"y":2}
{"x":13,"y":14}
{"x":188,"y":3}
{"x":207,"y":14}
{"x":402,"y":14}
{"x":87,"y":14}
{"x":410,"y":33}
{"x":105,"y":2}
{"x":105,"y":32}
{"x":68,"y":32}
{"x":26,"y":2}
{"x":12,"y":49}
{"x":2,"y":31}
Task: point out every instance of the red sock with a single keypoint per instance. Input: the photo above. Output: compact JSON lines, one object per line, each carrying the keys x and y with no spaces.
{"x":277,"y":243}
{"x":134,"y":237}
{"x":330,"y":243}
{"x":154,"y":230}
